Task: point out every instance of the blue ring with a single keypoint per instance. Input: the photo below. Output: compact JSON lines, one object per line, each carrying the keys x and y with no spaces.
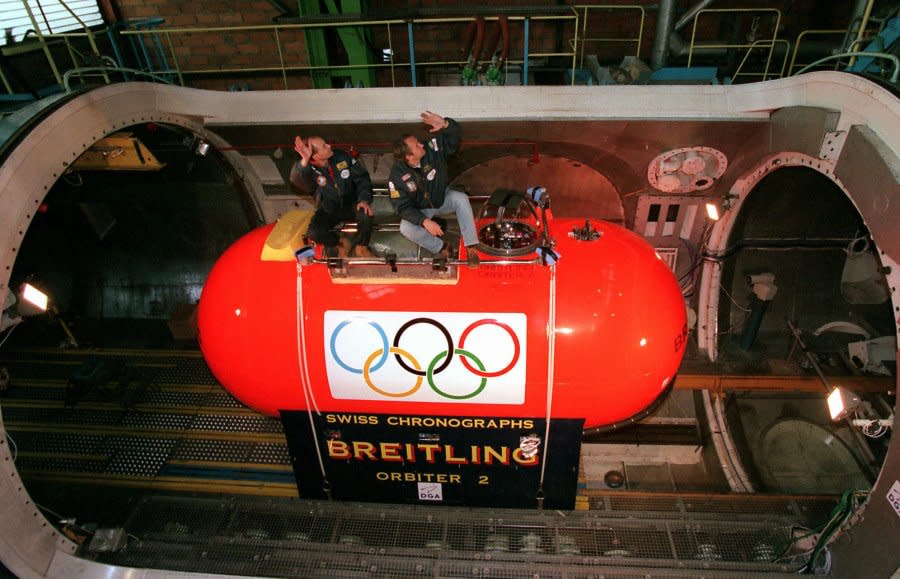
{"x":384,"y":346}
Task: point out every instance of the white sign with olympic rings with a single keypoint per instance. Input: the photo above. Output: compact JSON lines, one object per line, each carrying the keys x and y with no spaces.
{"x":468,"y":358}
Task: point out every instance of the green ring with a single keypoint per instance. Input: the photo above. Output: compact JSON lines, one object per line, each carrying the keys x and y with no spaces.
{"x":458,"y":352}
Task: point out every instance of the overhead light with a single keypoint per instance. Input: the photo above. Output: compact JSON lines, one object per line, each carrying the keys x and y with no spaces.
{"x":712,"y":211}
{"x":841,"y":402}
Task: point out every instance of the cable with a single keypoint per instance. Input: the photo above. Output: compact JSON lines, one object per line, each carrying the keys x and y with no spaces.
{"x":304,"y":379}
{"x":879,"y":429}
{"x":8,"y":334}
{"x":51,"y":511}
{"x":839,"y":516}
{"x":12,"y":444}
{"x":551,"y":354}
{"x":739,"y":306}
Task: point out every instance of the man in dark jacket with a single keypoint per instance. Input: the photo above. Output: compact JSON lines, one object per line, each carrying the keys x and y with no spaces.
{"x":343,"y":192}
{"x":419,"y":190}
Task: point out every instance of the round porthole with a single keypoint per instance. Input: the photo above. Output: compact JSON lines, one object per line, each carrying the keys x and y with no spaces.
{"x":686,"y":170}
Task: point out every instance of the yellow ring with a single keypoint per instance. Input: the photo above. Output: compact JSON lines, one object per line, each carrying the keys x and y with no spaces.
{"x":393,"y":350}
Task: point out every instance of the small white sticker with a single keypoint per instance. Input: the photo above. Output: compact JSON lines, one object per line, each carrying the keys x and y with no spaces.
{"x":431,"y":492}
{"x":529,"y":445}
{"x":893,"y":496}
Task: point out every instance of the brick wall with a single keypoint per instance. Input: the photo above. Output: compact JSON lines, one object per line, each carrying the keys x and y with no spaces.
{"x":201,"y":55}
{"x":218,"y":54}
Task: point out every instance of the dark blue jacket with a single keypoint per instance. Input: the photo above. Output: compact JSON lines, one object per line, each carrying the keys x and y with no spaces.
{"x":342,"y":182}
{"x":423,"y":187}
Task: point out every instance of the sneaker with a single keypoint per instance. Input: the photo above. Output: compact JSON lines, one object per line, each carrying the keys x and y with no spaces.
{"x":362,"y":251}
{"x":445,"y":251}
{"x":472,"y":259}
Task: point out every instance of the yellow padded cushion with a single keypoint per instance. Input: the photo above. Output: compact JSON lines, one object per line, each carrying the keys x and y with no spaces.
{"x":287,"y":235}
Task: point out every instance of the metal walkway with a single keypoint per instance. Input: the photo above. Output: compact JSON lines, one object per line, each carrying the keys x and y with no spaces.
{"x":625,"y":536}
{"x":140,"y":418}
{"x":210,"y":489}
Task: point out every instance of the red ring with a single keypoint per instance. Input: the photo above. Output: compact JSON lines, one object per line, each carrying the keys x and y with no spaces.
{"x":465,"y":361}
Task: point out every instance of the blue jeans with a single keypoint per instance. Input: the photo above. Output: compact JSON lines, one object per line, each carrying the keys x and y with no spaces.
{"x":454,"y":202}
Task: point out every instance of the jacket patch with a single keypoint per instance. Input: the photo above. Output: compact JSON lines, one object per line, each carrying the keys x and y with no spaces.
{"x":433,"y":144}
{"x":342,"y":165}
{"x":321,"y":180}
{"x":394,"y":193}
{"x":431,"y":174}
{"x":411,"y":185}
{"x":406,"y":176}
{"x":345,"y":174}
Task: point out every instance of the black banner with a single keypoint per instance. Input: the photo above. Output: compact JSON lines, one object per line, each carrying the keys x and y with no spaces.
{"x":453,"y":460}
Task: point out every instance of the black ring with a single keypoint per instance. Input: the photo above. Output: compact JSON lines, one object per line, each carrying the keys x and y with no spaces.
{"x":437,"y":325}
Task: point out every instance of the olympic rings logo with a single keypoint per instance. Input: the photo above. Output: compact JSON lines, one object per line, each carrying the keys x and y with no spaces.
{"x":438,"y":363}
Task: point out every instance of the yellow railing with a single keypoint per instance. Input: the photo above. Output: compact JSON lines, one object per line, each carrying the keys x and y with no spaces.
{"x":44,"y":42}
{"x":579,"y":20}
{"x":585,"y":39}
{"x":799,"y":42}
{"x":770,"y":43}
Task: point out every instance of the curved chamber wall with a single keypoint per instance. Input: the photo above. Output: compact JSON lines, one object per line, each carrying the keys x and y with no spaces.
{"x":773,"y":117}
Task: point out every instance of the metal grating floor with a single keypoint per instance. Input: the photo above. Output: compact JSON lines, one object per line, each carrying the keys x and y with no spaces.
{"x":296,"y":538}
{"x":149,"y":418}
{"x":160,"y":422}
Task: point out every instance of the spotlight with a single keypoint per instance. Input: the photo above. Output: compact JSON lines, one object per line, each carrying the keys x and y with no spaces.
{"x":35,"y":297}
{"x":842,"y":402}
{"x":31,"y":301}
{"x":717,"y":207}
{"x":202,"y":148}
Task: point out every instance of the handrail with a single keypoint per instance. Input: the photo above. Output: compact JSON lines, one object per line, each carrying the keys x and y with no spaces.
{"x":43,"y":43}
{"x":774,"y":37}
{"x":279,"y":29}
{"x":610,"y":7}
{"x":802,"y":36}
{"x":107,"y":69}
{"x":884,"y":55}
{"x":765,"y":73}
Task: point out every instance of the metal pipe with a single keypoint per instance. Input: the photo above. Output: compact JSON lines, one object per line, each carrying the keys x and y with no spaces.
{"x":468,"y":38}
{"x":677,"y":46}
{"x":862,"y":29}
{"x":856,"y":17}
{"x":733,"y":457}
{"x":485,"y":42}
{"x":663,"y":28}
{"x":575,"y":47}
{"x":42,"y":41}
{"x":412,"y":52}
{"x":734,"y":483}
{"x":504,"y":33}
{"x":691,"y":12}
{"x":894,"y":60}
{"x":525,"y":59}
{"x":812,"y":359}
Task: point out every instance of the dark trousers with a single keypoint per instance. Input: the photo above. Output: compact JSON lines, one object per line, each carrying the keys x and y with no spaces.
{"x":323,"y":222}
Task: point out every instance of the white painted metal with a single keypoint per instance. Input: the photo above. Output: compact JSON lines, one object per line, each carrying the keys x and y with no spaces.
{"x":30,"y":546}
